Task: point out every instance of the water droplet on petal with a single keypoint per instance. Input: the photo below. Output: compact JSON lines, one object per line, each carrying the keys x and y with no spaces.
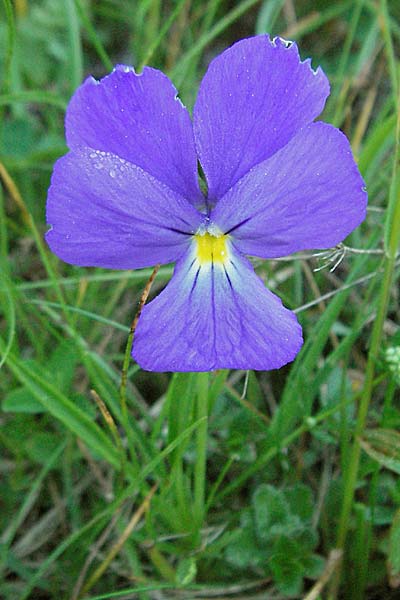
{"x":112,"y":173}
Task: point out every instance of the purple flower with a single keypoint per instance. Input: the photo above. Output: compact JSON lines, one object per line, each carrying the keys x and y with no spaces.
{"x":127,"y":196}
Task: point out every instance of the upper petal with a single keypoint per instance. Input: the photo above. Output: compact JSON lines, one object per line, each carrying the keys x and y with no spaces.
{"x":310,"y":194}
{"x":106,"y":212}
{"x":215,"y":316}
{"x":139,"y":118}
{"x":253,"y":99}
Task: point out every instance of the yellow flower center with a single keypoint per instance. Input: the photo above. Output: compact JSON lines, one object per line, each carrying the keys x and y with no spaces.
{"x":211,"y":248}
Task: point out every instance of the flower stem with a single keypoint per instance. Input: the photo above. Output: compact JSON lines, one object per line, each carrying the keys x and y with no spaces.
{"x":201,"y":448}
{"x":125,"y":365}
{"x":127,"y":355}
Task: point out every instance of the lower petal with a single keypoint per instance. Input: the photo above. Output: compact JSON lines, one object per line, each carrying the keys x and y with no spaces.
{"x":215,"y":316}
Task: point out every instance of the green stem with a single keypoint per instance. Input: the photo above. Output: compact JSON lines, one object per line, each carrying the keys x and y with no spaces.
{"x":201,"y":448}
{"x":388,"y":401}
{"x":393,"y":241}
{"x":11,"y":35}
{"x":179,"y":72}
{"x":123,"y":403}
{"x":124,"y":377}
{"x":94,"y":38}
{"x":74,"y":35}
{"x":340,"y":94}
{"x":385,"y":24}
{"x":163,"y":31}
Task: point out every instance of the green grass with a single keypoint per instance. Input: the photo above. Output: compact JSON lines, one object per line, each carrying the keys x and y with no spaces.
{"x":196,"y":486}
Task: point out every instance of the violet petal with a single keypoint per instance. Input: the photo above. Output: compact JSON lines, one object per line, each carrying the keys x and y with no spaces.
{"x":106,"y":212}
{"x":310,"y":194}
{"x":253,"y":99}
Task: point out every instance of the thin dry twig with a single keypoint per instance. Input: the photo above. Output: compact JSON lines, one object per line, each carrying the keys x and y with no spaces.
{"x":317,"y":292}
{"x":121,"y":541}
{"x":289,"y":12}
{"x":341,"y":289}
{"x":247,"y":404}
{"x":96,"y":471}
{"x":230,"y":590}
{"x":124,"y":374}
{"x":14,"y":193}
{"x":143,"y":298}
{"x":93,"y":553}
{"x":325,"y":481}
{"x":108,"y":418}
{"x":245,"y":385}
{"x":39,"y":534}
{"x":333,"y":562}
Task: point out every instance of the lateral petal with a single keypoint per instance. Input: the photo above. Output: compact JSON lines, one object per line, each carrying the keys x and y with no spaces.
{"x":106,"y":212}
{"x":310,"y":194}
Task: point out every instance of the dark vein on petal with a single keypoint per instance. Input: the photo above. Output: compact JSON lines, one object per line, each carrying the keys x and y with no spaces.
{"x":237,"y":226}
{"x":191,"y":265}
{"x":213,"y":305}
{"x":177,"y":230}
{"x":228,"y":278}
{"x":195,"y":280}
{"x":236,"y":300}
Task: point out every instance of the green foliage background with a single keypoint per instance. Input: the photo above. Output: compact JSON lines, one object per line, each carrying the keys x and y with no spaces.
{"x":231,"y":484}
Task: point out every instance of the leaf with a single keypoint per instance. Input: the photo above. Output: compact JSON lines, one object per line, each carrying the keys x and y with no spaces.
{"x":59,"y":369}
{"x":186,"y":571}
{"x":287,"y":574}
{"x":18,"y":137}
{"x":216,"y":386}
{"x":62,"y":364}
{"x":21,"y":400}
{"x":392,"y":417}
{"x":181,"y":386}
{"x":267,"y":15}
{"x":40,"y":446}
{"x":243,"y":550}
{"x":383,"y":445}
{"x":84,"y":404}
{"x":306,"y":538}
{"x":62,"y":408}
{"x":271,"y":511}
{"x":300,"y":500}
{"x":313,"y":566}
